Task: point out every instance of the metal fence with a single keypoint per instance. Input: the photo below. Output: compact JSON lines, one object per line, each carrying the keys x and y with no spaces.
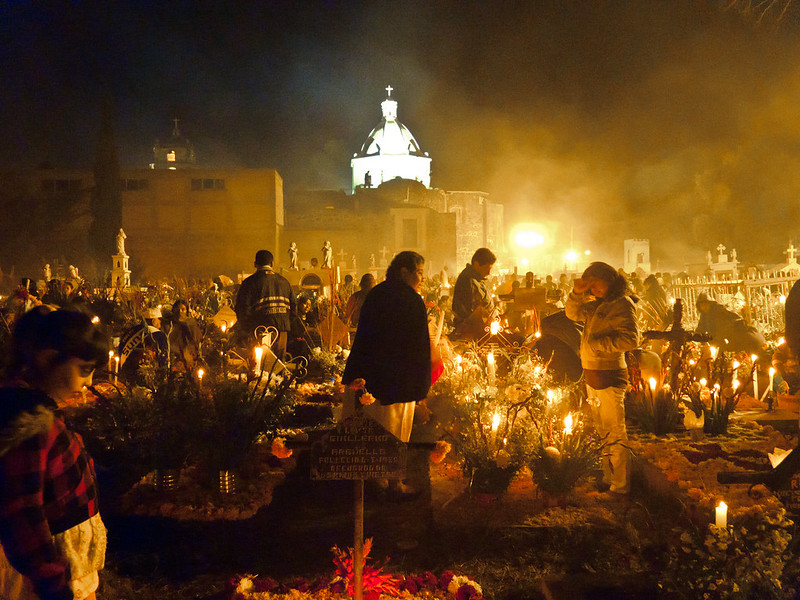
{"x":759,"y":300}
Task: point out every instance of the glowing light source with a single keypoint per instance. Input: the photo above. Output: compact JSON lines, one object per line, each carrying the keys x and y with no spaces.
{"x":713,"y":351}
{"x":571,"y":256}
{"x":721,"y":515}
{"x":495,"y":422}
{"x":528,"y":238}
{"x":653,"y":383}
{"x":494,"y":328}
{"x":95,"y":320}
{"x":568,"y":424}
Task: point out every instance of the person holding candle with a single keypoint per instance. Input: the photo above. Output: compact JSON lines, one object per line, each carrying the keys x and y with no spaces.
{"x":600,"y":299}
{"x":473,"y":303}
{"x":53,"y":539}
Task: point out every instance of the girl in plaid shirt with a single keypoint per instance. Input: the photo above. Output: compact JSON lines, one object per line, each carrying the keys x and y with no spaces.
{"x":53,"y":541}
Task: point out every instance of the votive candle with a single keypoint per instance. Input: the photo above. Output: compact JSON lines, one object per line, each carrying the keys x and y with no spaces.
{"x":721,"y":515}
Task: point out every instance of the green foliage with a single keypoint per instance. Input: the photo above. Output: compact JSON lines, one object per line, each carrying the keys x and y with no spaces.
{"x":744,"y":562}
{"x":559,"y":459}
{"x":325,"y":363}
{"x":655,"y":412}
{"x":238,"y":413}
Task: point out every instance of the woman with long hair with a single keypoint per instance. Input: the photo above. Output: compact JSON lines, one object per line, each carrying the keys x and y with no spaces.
{"x":53,"y":540}
{"x":600,"y":300}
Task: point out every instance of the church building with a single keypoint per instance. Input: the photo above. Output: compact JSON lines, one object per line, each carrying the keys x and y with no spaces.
{"x":392,"y":208}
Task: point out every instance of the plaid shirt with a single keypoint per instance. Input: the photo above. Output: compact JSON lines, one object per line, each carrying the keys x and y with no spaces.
{"x":47,"y":485}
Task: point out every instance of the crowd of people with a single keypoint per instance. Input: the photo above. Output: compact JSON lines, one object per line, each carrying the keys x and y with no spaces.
{"x":51,"y":535}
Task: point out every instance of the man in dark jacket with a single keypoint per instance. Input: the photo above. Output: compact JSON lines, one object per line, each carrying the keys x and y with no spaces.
{"x":472,"y":299}
{"x":727,"y":329}
{"x":265,"y":299}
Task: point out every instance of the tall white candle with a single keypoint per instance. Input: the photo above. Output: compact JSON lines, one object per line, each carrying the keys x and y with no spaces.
{"x":490,"y":367}
{"x":755,"y":376}
{"x":771,"y":376}
{"x":259,"y":352}
{"x":721,"y":515}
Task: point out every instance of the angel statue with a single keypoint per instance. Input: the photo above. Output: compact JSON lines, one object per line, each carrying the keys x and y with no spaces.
{"x":121,"y":242}
{"x":293,"y":257}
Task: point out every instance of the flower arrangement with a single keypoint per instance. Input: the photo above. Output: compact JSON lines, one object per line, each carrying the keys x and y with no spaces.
{"x":656,"y":410}
{"x":746,"y":560}
{"x":493,"y":414}
{"x":715,"y":395}
{"x":563,"y":455}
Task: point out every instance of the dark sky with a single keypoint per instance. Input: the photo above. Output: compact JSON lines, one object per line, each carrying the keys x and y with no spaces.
{"x":677,"y":121}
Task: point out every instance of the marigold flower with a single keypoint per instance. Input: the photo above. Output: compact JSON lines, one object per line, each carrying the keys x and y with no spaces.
{"x":279,"y":448}
{"x":366,"y":398}
{"x":357,"y":384}
{"x":440,"y":451}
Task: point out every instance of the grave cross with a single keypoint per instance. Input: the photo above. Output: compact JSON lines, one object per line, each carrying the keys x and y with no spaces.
{"x":677,"y":337}
{"x":721,"y":249}
{"x":790,"y":252}
{"x":384,"y":252}
{"x":342,"y":254}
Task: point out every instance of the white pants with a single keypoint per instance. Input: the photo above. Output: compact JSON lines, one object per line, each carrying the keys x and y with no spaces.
{"x":608,"y":414}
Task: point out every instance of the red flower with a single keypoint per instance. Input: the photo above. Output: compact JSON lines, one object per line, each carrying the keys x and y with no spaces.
{"x":467,"y":592}
{"x":410,"y":585}
{"x":430,"y":581}
{"x":338,"y":587}
{"x":265,"y":584}
{"x":445,"y":579}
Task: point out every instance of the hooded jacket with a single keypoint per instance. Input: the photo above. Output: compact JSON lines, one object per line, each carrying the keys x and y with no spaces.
{"x":609,"y":331}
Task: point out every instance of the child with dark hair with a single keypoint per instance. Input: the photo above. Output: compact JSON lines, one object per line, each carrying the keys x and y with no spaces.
{"x":53,"y":540}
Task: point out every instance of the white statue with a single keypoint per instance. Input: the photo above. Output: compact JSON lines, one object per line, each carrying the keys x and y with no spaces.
{"x":46,"y":273}
{"x":293,"y":257}
{"x":353,"y":260}
{"x":327,"y":255}
{"x":372,"y":261}
{"x":733,"y":255}
{"x":121,"y":242}
{"x":73,"y":273}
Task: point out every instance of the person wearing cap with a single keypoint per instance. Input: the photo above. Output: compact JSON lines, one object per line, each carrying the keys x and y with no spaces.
{"x":139,"y":340}
{"x":728,"y":330}
{"x":265,"y":299}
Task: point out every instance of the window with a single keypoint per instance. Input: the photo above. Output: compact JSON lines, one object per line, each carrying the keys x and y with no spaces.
{"x":207,"y":184}
{"x":410,"y":233}
{"x":59,"y":186}
{"x":133,"y":185}
{"x":171,"y":156}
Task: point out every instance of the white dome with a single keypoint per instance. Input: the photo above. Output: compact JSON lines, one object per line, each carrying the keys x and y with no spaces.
{"x":389,"y":152}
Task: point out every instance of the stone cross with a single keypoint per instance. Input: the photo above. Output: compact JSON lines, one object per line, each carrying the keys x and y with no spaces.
{"x":790,"y":252}
{"x":342,"y":254}
{"x":384,"y":252}
{"x":721,"y":250}
{"x":389,"y":91}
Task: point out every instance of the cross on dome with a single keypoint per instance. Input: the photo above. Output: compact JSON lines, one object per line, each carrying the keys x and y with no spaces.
{"x":388,"y":89}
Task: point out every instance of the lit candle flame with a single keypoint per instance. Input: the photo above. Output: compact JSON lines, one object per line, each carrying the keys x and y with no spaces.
{"x":691,"y":361}
{"x":223,"y":327}
{"x":551,"y":396}
{"x":713,"y":350}
{"x":494,"y":328}
{"x":735,"y":384}
{"x":495,"y":422}
{"x":716,"y":386}
{"x":735,"y":365}
{"x":259,"y":351}
{"x":781,"y":341}
{"x":703,"y":381}
{"x":653,"y":384}
{"x":200,"y":374}
{"x":772,"y":371}
{"x":568,"y":424}
{"x":95,"y":320}
{"x":110,"y":354}
{"x":537,"y":335}
{"x":490,"y":357}
{"x":754,"y":357}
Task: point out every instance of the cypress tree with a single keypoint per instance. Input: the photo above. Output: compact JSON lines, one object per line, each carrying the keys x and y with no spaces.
{"x":106,"y":203}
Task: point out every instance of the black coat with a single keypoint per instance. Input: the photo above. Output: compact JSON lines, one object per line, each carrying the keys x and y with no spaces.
{"x":392,"y":350}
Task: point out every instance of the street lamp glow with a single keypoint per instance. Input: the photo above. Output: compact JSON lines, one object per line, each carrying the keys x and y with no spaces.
{"x":571,"y":256}
{"x":527,"y":238}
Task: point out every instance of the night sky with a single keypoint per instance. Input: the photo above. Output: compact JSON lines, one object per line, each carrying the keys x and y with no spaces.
{"x":677,"y":121}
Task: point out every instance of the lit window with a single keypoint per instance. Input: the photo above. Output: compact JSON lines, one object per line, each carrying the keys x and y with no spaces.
{"x":171,"y":156}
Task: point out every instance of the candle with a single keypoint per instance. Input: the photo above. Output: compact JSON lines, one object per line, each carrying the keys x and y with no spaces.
{"x":110,"y":361}
{"x":223,"y":327}
{"x":200,"y":374}
{"x":568,"y":424}
{"x":771,"y":377}
{"x":116,"y":368}
{"x":722,"y":515}
{"x":494,"y":327}
{"x":653,"y":383}
{"x":490,"y":367}
{"x":259,"y":352}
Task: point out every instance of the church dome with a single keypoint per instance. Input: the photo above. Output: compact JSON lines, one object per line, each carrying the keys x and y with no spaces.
{"x":390,"y":136}
{"x":390,"y":152}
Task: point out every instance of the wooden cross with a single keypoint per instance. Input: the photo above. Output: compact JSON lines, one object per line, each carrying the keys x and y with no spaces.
{"x":389,"y":91}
